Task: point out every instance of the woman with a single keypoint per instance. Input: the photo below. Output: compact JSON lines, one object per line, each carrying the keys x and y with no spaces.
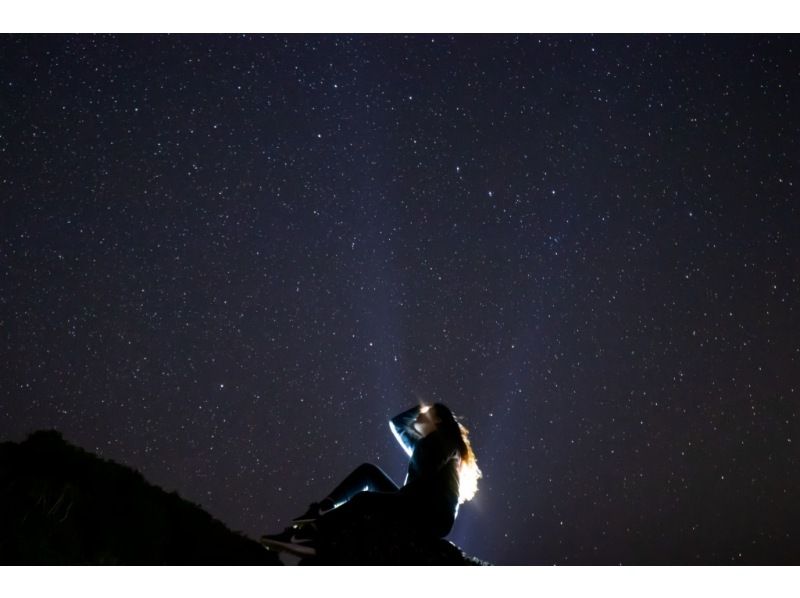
{"x":442,"y":474}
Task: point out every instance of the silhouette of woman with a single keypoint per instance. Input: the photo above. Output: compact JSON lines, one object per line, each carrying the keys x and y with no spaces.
{"x":442,"y":474}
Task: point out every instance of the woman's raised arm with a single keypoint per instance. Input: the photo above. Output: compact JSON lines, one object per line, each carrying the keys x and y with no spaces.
{"x":402,"y":426}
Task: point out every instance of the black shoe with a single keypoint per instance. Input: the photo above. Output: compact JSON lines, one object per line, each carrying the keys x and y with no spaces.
{"x":295,"y":540}
{"x":314,"y":512}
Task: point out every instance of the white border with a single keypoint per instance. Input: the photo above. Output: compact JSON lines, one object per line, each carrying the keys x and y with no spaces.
{"x":423,"y":16}
{"x":350,"y":582}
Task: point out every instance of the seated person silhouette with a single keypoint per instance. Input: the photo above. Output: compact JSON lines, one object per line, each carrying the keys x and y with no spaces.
{"x":442,"y":474}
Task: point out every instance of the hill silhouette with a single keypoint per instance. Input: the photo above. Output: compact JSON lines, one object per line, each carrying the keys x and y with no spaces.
{"x":61,"y":505}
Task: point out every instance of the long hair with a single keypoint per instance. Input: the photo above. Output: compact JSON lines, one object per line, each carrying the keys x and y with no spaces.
{"x":468,"y":471}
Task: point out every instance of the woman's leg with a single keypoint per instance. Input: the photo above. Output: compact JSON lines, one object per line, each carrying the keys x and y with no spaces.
{"x":364,"y":477}
{"x":362,"y":512}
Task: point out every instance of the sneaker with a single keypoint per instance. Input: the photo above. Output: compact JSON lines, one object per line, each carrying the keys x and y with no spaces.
{"x":314,"y":512}
{"x":297,"y":541}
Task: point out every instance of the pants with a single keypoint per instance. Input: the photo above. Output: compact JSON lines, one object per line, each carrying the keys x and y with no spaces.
{"x":384,"y":501}
{"x":364,"y":477}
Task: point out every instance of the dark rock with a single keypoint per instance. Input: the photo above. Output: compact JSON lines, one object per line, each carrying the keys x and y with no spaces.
{"x":372,"y":537}
{"x":389,"y":548}
{"x":62,"y":505}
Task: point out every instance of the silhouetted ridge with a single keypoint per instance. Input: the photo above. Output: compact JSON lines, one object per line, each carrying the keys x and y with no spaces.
{"x":62,"y":505}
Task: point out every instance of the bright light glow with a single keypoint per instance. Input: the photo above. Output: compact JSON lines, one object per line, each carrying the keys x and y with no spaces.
{"x":468,"y":476}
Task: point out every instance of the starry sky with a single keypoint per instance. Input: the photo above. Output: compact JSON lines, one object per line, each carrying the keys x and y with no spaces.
{"x":227,"y":261}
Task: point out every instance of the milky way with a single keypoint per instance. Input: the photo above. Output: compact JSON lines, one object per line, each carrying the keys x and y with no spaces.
{"x":227,"y":261}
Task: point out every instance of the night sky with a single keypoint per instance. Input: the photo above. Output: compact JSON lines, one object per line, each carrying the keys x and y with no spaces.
{"x":227,"y":261}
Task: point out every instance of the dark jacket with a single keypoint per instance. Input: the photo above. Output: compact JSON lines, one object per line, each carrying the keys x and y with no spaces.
{"x":432,"y":478}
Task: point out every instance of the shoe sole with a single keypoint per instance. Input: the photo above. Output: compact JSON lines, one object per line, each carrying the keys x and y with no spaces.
{"x":310,"y":519}
{"x":294,"y":549}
